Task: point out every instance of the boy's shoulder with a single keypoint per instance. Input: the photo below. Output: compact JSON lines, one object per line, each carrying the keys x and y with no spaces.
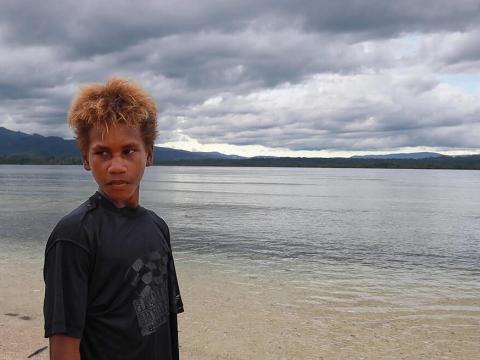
{"x":161,"y":224}
{"x":157,"y":218}
{"x":75,"y":217}
{"x":70,"y":227}
{"x":79,"y":213}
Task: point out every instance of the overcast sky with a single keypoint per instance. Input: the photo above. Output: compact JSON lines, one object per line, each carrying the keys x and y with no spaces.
{"x":274,"y":77}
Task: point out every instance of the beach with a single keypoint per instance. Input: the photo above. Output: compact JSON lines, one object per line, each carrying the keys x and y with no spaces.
{"x":257,"y":317}
{"x":230,"y":315}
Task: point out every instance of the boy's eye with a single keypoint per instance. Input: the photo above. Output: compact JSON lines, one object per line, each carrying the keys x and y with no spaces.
{"x":102,"y":153}
{"x":128,"y":151}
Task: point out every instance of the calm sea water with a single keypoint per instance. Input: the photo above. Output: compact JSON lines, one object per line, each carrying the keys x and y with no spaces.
{"x":393,"y":229}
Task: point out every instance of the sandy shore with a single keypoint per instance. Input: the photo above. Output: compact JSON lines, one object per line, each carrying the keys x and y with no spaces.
{"x":252,"y":316}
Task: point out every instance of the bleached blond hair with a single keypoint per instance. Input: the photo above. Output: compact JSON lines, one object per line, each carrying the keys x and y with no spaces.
{"x":104,"y":105}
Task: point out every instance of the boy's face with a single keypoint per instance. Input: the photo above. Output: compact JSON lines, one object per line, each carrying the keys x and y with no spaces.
{"x":117,"y":159}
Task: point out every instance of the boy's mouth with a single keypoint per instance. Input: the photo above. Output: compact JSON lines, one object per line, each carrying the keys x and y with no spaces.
{"x":117,"y":182}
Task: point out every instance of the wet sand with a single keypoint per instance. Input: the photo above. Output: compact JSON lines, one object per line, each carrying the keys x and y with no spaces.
{"x":230,"y":315}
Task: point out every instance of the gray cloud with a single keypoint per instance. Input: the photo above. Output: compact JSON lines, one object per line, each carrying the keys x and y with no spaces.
{"x":380,"y":111}
{"x":97,"y":27}
{"x":304,"y":75}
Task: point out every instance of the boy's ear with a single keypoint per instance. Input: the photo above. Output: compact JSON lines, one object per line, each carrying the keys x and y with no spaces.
{"x":149,"y":156}
{"x":86,"y":165}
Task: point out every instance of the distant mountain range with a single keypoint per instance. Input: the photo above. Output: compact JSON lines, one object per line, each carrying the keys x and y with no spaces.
{"x":20,"y":148}
{"x":22,"y":144}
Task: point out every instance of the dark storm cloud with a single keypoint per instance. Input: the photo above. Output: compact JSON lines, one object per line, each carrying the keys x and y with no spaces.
{"x":97,"y":27}
{"x":102,"y":26}
{"x":388,"y":18}
{"x":262,"y":58}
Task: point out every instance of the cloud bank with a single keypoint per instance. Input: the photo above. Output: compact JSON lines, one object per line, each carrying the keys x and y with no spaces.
{"x":308,"y":78}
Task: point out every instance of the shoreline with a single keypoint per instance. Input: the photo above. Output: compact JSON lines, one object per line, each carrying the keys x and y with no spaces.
{"x":467,"y":162}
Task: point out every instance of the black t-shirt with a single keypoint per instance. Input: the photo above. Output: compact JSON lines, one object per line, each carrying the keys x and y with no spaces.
{"x":110,"y":281}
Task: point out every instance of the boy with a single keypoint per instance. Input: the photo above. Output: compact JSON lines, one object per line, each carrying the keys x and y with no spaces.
{"x":111,"y":290}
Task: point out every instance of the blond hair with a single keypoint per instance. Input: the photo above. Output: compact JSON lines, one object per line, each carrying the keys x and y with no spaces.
{"x":116,"y":101}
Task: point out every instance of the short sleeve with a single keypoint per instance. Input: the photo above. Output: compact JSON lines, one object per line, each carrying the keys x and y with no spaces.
{"x":66,"y":276}
{"x":178,"y":298}
{"x":178,"y":307}
{"x":173,"y":274}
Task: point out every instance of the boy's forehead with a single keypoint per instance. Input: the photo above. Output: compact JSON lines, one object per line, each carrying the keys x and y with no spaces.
{"x":116,"y":135}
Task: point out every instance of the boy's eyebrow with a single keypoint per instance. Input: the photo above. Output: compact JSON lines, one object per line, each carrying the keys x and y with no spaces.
{"x":132,"y":144}
{"x":100,"y":147}
{"x":105,"y":147}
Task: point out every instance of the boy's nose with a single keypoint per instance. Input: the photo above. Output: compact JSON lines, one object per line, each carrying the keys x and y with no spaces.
{"x":117,"y":166}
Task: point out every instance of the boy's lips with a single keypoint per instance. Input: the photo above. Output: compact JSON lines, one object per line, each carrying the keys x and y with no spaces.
{"x":117,"y":182}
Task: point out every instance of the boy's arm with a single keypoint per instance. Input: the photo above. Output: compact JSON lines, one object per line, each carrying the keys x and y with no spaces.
{"x":64,"y":348}
{"x":66,"y":273}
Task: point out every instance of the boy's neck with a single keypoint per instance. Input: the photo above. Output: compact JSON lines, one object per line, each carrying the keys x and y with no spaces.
{"x":133,"y":204}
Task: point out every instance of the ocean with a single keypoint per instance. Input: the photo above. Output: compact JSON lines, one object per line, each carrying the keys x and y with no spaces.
{"x":279,"y":263}
{"x":398,"y":236}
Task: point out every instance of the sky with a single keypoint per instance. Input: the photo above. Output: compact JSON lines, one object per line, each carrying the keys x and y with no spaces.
{"x":256,"y":78}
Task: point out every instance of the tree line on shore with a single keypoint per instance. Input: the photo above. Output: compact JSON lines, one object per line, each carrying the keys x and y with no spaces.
{"x":471,"y":162}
